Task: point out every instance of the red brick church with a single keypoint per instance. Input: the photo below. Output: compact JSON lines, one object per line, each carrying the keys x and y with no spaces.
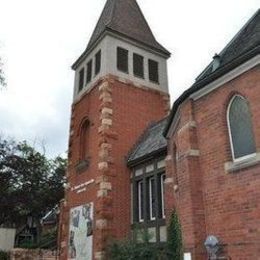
{"x":132,"y":160}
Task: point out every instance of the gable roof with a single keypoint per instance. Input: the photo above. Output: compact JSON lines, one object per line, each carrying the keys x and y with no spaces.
{"x":125,"y":18}
{"x":244,"y":46}
{"x":151,"y":142}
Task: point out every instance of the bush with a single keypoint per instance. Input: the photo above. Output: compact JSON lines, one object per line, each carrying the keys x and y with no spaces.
{"x":174,"y":243}
{"x":27,"y":244}
{"x":133,"y":250}
{"x":4,"y":255}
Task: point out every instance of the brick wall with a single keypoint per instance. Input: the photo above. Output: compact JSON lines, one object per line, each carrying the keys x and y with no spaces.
{"x":118,"y":113}
{"x":211,"y":200}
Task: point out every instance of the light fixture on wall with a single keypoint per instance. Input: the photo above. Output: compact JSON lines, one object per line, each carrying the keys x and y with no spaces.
{"x":212,"y":246}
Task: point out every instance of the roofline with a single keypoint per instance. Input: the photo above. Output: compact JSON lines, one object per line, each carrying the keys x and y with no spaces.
{"x":212,"y":77}
{"x":111,"y":32}
{"x":147,"y":157}
{"x":230,"y":42}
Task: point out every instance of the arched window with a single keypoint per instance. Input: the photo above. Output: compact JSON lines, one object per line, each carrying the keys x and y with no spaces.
{"x":240,"y":128}
{"x":83,"y":142}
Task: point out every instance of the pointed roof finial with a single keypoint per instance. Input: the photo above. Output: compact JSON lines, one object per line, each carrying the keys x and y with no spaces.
{"x":124,"y":18}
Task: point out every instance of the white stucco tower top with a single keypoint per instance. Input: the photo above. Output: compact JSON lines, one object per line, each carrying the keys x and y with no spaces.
{"x":122,"y":45}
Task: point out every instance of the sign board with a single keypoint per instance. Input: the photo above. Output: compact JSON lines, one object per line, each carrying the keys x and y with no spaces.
{"x":81,"y":232}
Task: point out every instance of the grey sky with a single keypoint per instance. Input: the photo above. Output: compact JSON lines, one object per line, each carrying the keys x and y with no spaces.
{"x":40,"y":39}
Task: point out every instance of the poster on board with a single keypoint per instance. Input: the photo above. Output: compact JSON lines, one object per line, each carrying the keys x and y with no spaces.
{"x":81,"y":232}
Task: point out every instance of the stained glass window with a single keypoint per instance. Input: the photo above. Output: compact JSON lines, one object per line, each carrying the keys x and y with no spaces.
{"x":241,"y":129}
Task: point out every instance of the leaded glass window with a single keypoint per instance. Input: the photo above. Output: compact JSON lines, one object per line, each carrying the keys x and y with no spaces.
{"x":140,"y":200}
{"x":240,"y":127}
{"x":152,"y":200}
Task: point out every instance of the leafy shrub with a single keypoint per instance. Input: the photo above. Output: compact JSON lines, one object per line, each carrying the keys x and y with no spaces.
{"x":133,"y":250}
{"x":27,"y":244}
{"x":174,"y":243}
{"x":4,"y":255}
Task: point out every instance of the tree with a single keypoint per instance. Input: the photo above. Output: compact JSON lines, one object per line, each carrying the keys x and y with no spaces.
{"x":174,"y":242}
{"x":2,"y":76}
{"x":31,"y":184}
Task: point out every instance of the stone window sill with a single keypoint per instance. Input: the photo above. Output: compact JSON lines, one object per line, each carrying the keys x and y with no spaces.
{"x":237,"y":166}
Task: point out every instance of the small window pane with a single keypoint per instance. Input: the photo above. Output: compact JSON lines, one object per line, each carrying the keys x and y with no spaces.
{"x":138,"y":65}
{"x":241,"y":128}
{"x":140,"y":200}
{"x":97,"y":62}
{"x":89,"y":71}
{"x":122,"y":59}
{"x":161,"y":179}
{"x":152,"y":202}
{"x":81,"y":79}
{"x":153,"y":71}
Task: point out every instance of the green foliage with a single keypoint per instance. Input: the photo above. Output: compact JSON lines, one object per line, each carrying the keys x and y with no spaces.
{"x":174,"y":243}
{"x":133,"y":250}
{"x":28,"y":245}
{"x":31,"y":184}
{"x":48,"y":240}
{"x":4,"y":255}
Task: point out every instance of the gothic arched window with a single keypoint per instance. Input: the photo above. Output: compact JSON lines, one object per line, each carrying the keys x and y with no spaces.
{"x":240,"y":128}
{"x":83,"y":142}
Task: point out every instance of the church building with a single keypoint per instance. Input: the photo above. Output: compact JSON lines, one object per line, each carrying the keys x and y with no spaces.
{"x":132,"y":160}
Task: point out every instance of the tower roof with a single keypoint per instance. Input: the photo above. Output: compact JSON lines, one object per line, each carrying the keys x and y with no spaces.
{"x":125,"y":18}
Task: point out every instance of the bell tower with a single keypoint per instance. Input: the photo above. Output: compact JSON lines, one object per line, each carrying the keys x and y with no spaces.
{"x":121,"y":86}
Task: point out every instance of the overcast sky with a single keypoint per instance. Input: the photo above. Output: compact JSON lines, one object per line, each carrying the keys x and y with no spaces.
{"x":40,"y":39}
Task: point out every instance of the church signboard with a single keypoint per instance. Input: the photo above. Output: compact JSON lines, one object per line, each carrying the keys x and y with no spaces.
{"x":81,"y":232}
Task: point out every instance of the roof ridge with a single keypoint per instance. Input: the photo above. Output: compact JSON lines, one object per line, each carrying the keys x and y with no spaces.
{"x":240,"y":31}
{"x":200,"y":76}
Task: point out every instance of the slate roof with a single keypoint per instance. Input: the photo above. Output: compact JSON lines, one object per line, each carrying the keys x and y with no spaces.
{"x":151,"y":142}
{"x":246,"y":39}
{"x":124,"y":17}
{"x":244,"y":46}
